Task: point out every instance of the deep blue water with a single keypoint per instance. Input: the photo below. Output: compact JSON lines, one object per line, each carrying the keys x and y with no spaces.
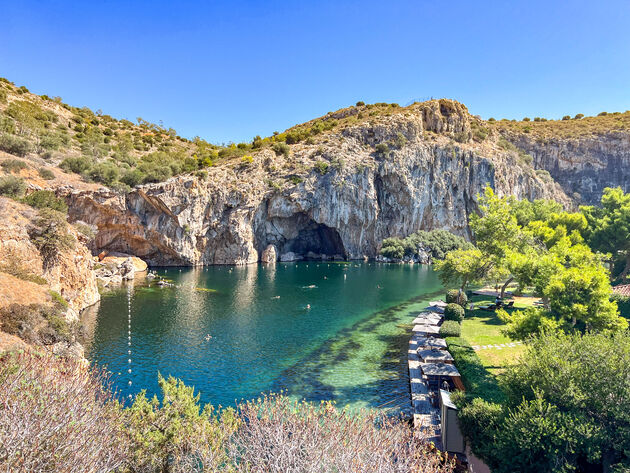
{"x":349,"y":346}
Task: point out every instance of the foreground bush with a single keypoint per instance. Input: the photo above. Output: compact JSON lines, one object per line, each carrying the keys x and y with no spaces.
{"x":176,"y":435}
{"x":279,"y":435}
{"x":56,"y":416}
{"x":567,"y":408}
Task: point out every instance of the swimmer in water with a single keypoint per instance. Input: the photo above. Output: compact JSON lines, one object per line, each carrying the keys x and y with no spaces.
{"x":308,"y":306}
{"x":208,"y":337}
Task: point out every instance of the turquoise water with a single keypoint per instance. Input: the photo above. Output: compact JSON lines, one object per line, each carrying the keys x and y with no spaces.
{"x":349,"y":346}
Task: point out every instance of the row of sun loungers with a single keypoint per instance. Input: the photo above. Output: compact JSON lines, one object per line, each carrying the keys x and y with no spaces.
{"x":430,"y":366}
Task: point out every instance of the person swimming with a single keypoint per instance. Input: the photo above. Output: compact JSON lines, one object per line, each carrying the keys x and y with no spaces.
{"x":208,"y":337}
{"x":308,"y":306}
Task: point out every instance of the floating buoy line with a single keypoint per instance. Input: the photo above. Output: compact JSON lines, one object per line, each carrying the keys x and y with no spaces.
{"x":129,"y":370}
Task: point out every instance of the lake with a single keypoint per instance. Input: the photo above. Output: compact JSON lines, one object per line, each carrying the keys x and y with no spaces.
{"x":316,"y":330}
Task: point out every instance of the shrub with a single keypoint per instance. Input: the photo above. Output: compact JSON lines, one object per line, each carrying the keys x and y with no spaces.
{"x":526,"y":119}
{"x":579,"y":116}
{"x":13,"y":165}
{"x":106,"y":173}
{"x":567,"y":117}
{"x":11,"y":186}
{"x":455,"y":296}
{"x":360,"y":103}
{"x":321,"y":167}
{"x":50,"y":235}
{"x":492,"y":119}
{"x":382,"y":150}
{"x":450,"y":328}
{"x":283,"y":435}
{"x":176,"y":435}
{"x":132,"y":177}
{"x":13,"y":265}
{"x":46,"y":200}
{"x":461,"y":137}
{"x":86,"y":230}
{"x":454,"y":312}
{"x":77,"y":164}
{"x":602,"y":114}
{"x":14,"y":145}
{"x":46,"y":174}
{"x":479,"y":421}
{"x":281,"y":148}
{"x":57,"y":416}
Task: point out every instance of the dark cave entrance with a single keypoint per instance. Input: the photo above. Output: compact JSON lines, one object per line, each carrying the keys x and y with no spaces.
{"x":316,"y":241}
{"x":304,"y":238}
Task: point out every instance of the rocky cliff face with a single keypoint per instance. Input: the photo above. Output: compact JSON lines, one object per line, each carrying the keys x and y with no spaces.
{"x":339,"y":196}
{"x":71,"y":275}
{"x":584,"y":165}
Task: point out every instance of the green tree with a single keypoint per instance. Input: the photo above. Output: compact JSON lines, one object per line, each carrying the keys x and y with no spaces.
{"x":581,"y":296}
{"x":576,"y":385}
{"x":463,"y":267}
{"x":166,"y":436}
{"x":609,"y":228}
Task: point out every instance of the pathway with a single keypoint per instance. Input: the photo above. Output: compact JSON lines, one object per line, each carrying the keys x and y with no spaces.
{"x":499,"y":346}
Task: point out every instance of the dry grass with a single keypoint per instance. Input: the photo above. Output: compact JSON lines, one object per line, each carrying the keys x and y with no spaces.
{"x":587,"y":126}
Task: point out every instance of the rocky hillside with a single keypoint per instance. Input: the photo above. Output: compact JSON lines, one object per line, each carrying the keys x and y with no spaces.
{"x":334,"y":187}
{"x":46,"y":278}
{"x":583,"y":155}
{"x":337,"y":195}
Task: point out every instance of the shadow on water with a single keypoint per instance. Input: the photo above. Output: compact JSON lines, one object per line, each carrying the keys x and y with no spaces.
{"x":378,"y":345}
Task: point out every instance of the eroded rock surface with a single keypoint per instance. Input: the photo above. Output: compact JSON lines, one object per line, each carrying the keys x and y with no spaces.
{"x":337,"y":198}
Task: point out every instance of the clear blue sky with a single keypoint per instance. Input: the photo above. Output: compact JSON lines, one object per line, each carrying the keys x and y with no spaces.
{"x":228,"y":70}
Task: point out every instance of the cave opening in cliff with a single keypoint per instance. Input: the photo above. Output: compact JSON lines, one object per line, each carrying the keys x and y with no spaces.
{"x":308,"y":240}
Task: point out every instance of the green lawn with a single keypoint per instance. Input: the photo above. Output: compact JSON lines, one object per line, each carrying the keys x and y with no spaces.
{"x":481,"y":327}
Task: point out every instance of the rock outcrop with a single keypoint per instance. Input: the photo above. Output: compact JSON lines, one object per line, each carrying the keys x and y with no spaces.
{"x":40,"y":296}
{"x":71,"y":275}
{"x":336,"y":198}
{"x":583,"y":165}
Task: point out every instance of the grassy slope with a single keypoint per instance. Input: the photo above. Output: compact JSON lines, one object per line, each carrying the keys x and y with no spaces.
{"x":480,"y":369}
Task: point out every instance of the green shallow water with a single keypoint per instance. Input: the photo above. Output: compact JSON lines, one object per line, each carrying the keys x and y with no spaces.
{"x":349,"y":346}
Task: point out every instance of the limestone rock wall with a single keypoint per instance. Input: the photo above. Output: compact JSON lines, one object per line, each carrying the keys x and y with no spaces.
{"x":342,"y":208}
{"x":583,"y":166}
